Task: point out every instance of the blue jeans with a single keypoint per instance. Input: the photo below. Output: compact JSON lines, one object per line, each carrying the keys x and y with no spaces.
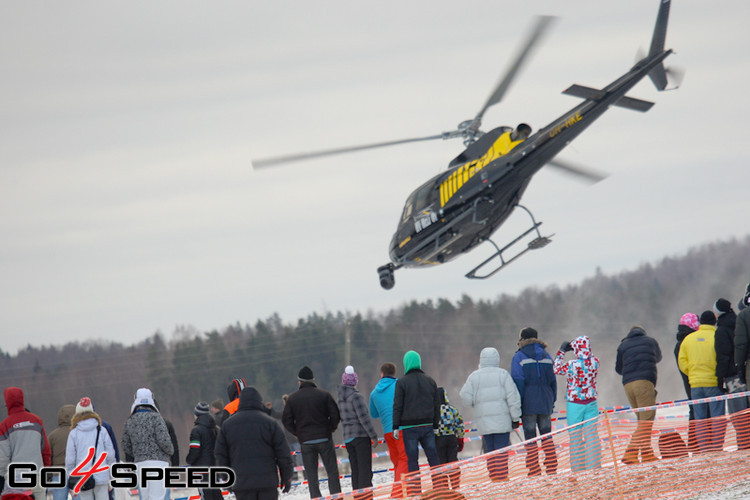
{"x":544,"y":423}
{"x":59,"y":493}
{"x":497,"y":463}
{"x":709,"y":434}
{"x":413,"y":437}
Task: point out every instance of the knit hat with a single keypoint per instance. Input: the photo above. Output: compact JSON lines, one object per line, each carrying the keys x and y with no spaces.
{"x":349,"y":377}
{"x":708,"y":318}
{"x":143,"y":396}
{"x":529,"y":333}
{"x":722,"y":306}
{"x":84,"y":405}
{"x":690,"y":320}
{"x":305,"y":374}
{"x":201,"y":408}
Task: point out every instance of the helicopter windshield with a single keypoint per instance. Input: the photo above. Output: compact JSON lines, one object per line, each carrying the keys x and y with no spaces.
{"x":417,"y":201}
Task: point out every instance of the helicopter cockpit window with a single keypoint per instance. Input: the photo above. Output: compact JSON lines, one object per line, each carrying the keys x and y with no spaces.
{"x":408,"y":208}
{"x":418,"y":201}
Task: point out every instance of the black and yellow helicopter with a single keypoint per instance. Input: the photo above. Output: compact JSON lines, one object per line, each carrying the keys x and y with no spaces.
{"x":461,"y":207}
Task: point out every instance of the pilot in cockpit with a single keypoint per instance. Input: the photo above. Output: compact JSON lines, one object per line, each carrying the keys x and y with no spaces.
{"x":521,"y":133}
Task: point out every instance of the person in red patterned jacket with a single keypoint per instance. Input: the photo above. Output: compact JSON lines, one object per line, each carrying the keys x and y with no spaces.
{"x":22,"y":439}
{"x":581,"y":373}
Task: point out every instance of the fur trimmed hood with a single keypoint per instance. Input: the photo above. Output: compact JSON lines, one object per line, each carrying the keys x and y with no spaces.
{"x":523,"y":343}
{"x":80,"y":417}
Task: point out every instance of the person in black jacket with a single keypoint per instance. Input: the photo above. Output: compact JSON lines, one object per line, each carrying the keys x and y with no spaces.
{"x":202,"y":443}
{"x":312,"y":415}
{"x":252,"y":443}
{"x":724,"y":341}
{"x":637,"y":356}
{"x":416,"y":413}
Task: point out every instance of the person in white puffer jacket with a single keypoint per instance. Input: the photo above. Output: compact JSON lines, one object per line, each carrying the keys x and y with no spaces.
{"x":81,"y":439}
{"x":493,"y":395}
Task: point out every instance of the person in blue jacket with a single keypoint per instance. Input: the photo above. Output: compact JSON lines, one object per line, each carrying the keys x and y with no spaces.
{"x":381,"y":406}
{"x":532,"y":372}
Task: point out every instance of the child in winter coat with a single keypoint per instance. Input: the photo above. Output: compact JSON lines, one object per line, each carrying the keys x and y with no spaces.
{"x":581,"y":373}
{"x":449,"y":436}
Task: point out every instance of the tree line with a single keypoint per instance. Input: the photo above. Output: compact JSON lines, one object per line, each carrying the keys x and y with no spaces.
{"x":190,"y":365}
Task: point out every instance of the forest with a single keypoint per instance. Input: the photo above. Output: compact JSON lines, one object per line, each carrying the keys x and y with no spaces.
{"x":189,"y":365}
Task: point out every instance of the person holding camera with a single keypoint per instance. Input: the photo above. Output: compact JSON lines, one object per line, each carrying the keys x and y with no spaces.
{"x":582,"y":405}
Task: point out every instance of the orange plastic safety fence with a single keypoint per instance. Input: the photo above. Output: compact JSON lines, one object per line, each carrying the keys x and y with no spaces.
{"x":615,"y":455}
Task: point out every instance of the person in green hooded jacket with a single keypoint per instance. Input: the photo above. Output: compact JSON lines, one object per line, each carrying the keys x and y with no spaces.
{"x":416,"y":412}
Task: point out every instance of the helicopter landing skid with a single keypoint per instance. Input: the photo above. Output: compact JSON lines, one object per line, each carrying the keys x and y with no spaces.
{"x":538,"y":242}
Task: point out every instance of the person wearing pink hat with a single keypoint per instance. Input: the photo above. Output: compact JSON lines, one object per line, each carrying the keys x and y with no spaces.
{"x":688,"y":324}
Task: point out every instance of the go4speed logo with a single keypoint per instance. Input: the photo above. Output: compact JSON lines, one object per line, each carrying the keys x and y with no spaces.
{"x":123,"y":475}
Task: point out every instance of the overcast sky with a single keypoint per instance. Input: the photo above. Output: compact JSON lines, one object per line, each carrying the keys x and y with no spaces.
{"x":129,"y":205}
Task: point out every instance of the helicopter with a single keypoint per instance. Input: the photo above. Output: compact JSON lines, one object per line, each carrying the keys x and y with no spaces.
{"x":461,"y":207}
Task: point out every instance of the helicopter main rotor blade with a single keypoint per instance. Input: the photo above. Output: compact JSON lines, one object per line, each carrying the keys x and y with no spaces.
{"x":542,"y":23}
{"x":590,"y":175}
{"x":278,"y":160}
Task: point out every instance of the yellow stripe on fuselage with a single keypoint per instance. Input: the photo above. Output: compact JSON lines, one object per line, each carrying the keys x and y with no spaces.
{"x":461,"y":175}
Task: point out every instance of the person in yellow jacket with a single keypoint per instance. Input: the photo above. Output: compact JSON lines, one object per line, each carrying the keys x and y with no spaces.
{"x":697,"y":360}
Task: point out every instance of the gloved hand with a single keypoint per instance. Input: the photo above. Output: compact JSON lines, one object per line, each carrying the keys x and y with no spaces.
{"x":515,"y":424}
{"x":565,"y":346}
{"x":287,"y":486}
{"x":460,"y":445}
{"x":375,"y":443}
{"x":395,"y":433}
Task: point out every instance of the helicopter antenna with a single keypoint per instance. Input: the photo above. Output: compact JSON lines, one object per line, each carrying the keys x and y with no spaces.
{"x":538,"y":29}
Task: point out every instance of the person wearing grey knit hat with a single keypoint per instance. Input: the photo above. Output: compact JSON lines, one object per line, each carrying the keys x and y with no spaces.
{"x":202,"y":408}
{"x":202,"y":444}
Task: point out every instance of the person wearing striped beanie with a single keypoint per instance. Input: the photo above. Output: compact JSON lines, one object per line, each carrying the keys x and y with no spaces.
{"x":202,"y":442}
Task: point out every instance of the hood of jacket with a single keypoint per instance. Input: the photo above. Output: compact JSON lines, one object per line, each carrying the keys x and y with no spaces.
{"x":250,"y":399}
{"x":412,"y":361}
{"x":86,"y":420}
{"x":65,"y":414}
{"x":443,"y":394}
{"x":205,"y":420}
{"x":384,"y":384}
{"x":532,"y":348}
{"x":14,"y":399}
{"x":682,"y":332}
{"x":235,"y":388}
{"x":636,"y":331}
{"x":728,"y":319}
{"x":346,"y":392}
{"x":489,"y":357}
{"x":582,"y":347}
